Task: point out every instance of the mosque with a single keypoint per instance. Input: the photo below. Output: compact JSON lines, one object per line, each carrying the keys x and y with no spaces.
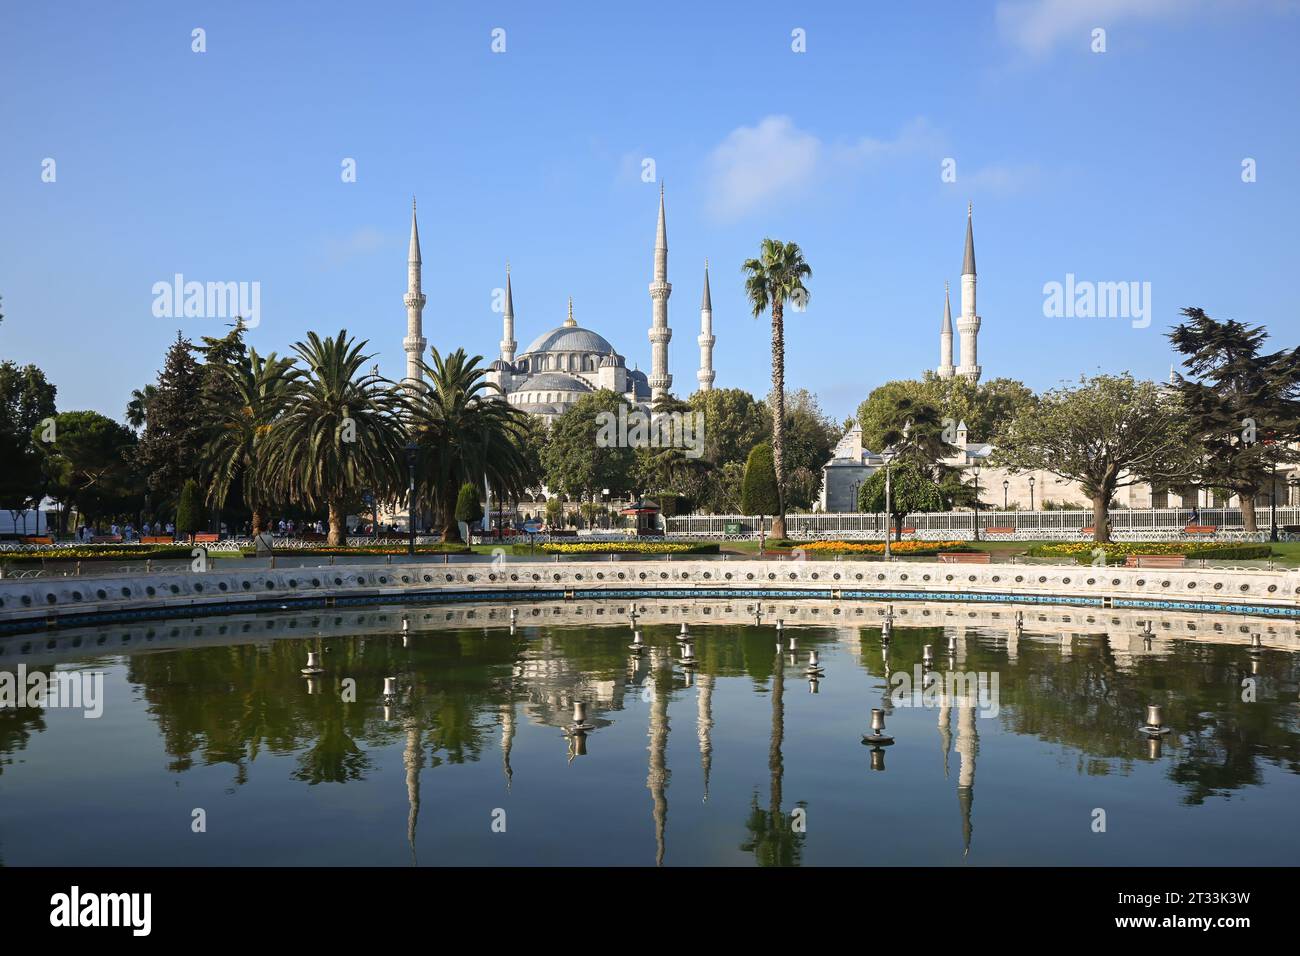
{"x":562,"y":365}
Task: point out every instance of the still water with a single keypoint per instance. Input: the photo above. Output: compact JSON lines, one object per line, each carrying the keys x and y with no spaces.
{"x":736,"y":761}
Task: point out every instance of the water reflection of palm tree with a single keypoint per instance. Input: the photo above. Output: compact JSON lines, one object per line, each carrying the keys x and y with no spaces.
{"x":772,"y":838}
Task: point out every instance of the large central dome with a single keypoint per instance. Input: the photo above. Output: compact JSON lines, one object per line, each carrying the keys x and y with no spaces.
{"x":570,"y":338}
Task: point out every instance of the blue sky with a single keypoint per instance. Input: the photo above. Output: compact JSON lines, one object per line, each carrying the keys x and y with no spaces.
{"x":225,"y":166}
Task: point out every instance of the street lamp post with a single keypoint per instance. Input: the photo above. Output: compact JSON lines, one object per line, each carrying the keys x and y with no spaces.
{"x":1006,"y":486}
{"x":1272,"y":500}
{"x":412,"y":450}
{"x":1031,"y":492}
{"x":976,"y":522}
{"x":887,"y":457}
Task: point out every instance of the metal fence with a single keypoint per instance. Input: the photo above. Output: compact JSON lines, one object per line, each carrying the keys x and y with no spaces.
{"x":1124,"y":522}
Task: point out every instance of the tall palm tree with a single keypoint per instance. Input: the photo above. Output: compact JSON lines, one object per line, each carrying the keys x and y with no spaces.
{"x":774,"y":278}
{"x":464,"y":430}
{"x":256,"y":389}
{"x":137,"y":410}
{"x":340,"y":432}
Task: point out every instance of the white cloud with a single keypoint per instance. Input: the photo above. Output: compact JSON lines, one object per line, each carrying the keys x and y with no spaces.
{"x":1036,"y":26}
{"x":776,"y":161}
{"x":755,"y":164}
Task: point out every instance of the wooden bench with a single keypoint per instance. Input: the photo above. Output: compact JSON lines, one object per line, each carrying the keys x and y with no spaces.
{"x":1088,"y":530}
{"x":36,"y":539}
{"x":965,"y":557}
{"x":1000,"y":529}
{"x":907,"y":531}
{"x":1200,"y":529}
{"x":1155,"y":561}
{"x":157,"y":539}
{"x":207,"y":537}
{"x":106,"y":539}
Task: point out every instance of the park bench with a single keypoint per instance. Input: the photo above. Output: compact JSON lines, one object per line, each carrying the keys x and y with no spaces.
{"x":157,"y":539}
{"x":1000,"y":529}
{"x":206,"y":537}
{"x":1088,"y":530}
{"x":965,"y":557}
{"x":36,"y":539}
{"x":907,"y":531}
{"x":1155,"y":561}
{"x":106,"y":539}
{"x":1200,"y":529}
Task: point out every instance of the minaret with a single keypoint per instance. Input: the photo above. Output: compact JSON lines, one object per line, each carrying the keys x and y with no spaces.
{"x":508,"y":343}
{"x":706,"y":339}
{"x":660,"y":290}
{"x":414,"y":342}
{"x":968,"y":326}
{"x":946,"y":369}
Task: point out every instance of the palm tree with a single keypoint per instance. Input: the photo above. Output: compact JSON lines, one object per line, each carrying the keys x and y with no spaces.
{"x":340,"y":432}
{"x":464,"y":431}
{"x":774,"y":278}
{"x":137,"y":410}
{"x":257,"y":389}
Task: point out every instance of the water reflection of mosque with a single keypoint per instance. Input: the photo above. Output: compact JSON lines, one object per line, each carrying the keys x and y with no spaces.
{"x":545,"y":683}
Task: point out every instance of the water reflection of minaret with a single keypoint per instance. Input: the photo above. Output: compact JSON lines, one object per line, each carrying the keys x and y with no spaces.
{"x":704,"y":727}
{"x":967,"y":747}
{"x":657,"y":778}
{"x":413,"y":761}
{"x":945,"y":723}
{"x":507,"y":737}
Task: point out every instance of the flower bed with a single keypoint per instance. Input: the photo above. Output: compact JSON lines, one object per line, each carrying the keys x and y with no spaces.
{"x":896,"y":547}
{"x":1082,"y":551}
{"x":623,"y":547}
{"x":96,"y":552}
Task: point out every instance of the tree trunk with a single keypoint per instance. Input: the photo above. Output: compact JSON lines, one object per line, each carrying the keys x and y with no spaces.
{"x":1100,"y":518}
{"x":338,"y":526}
{"x":1248,"y":517}
{"x":450,"y":527}
{"x":778,"y":416}
{"x":259,"y":520}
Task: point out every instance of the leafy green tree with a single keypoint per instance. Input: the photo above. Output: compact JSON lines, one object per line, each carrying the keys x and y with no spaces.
{"x":911,"y":491}
{"x":810,"y":438}
{"x":773,"y":279}
{"x":340,"y":433}
{"x":26,"y":399}
{"x":465,"y":431}
{"x":734,"y":422}
{"x":983,"y":406}
{"x":173,"y":437}
{"x":1107,"y":432}
{"x":1243,"y":406}
{"x":189,"y":511}
{"x":90,"y":463}
{"x":242,"y":416}
{"x":468,"y":507}
{"x":759,"y":492}
{"x":576,"y":461}
{"x":554,"y":511}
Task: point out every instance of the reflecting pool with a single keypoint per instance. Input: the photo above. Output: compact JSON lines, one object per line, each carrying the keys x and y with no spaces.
{"x":214,"y":748}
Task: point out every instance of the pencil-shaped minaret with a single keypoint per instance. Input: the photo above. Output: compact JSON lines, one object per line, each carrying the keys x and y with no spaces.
{"x":660,"y":333}
{"x":706,"y":374}
{"x":414,"y":342}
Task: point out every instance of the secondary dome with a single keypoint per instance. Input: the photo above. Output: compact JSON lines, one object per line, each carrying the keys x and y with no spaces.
{"x":570,"y":339}
{"x":553,"y":381}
